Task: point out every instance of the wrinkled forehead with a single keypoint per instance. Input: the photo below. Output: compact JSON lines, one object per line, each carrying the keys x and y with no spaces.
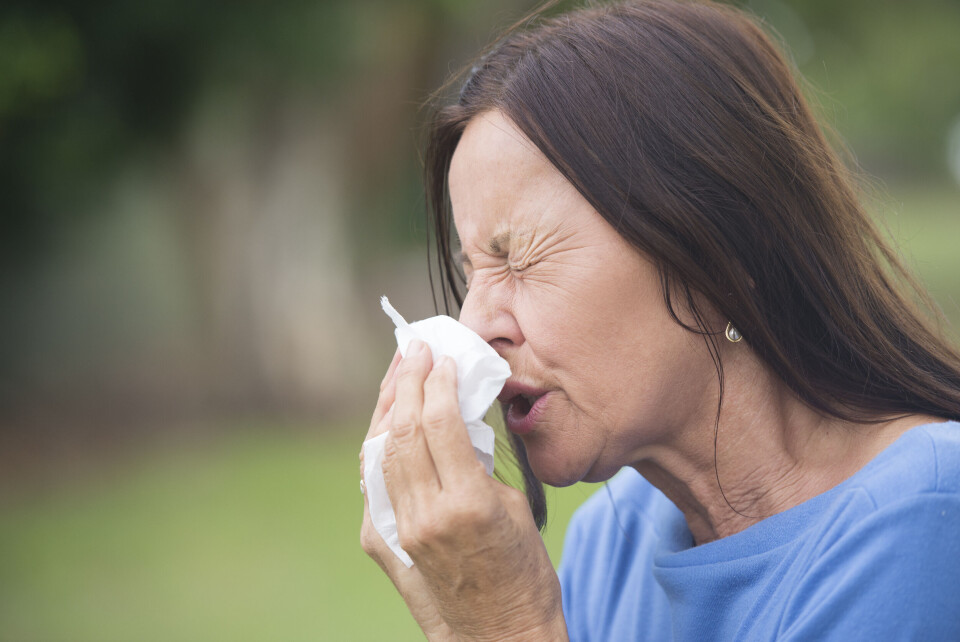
{"x":493,"y":140}
{"x":501,"y":185}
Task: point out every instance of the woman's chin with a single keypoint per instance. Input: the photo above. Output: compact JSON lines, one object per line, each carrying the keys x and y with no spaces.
{"x":560,"y":471}
{"x":554,"y":470}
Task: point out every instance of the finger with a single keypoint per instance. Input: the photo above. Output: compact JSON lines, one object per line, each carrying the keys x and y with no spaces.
{"x":409,"y":445}
{"x":411,"y":462}
{"x":395,"y":480}
{"x":384,"y":409}
{"x":392,"y":369}
{"x":411,"y":372}
{"x":443,"y":427}
{"x":385,"y":400}
{"x":405,"y":495}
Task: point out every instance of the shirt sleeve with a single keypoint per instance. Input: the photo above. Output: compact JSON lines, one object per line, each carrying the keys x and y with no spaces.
{"x":893,"y":576}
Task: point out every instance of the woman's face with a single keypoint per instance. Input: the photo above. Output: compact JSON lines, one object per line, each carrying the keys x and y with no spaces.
{"x":608,"y":376}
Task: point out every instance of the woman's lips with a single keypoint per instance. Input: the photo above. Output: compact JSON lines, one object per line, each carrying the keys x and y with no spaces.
{"x":526,"y":406}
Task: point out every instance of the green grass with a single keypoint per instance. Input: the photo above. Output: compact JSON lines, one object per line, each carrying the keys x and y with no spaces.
{"x":253,"y":538}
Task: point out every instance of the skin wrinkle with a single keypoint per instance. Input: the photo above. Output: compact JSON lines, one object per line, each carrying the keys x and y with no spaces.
{"x":585,"y":320}
{"x":541,"y":245}
{"x":535,"y":248}
{"x":542,"y":287}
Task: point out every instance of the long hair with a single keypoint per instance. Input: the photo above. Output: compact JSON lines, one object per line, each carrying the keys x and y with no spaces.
{"x":683,"y":126}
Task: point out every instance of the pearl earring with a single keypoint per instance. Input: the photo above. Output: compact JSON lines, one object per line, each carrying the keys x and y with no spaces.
{"x":733,"y":335}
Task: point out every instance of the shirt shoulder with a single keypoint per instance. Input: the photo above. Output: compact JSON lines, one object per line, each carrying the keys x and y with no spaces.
{"x":924,"y":460}
{"x":886,"y":561}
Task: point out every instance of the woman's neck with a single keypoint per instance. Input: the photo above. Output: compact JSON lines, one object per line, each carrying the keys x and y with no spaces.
{"x":772,"y":452}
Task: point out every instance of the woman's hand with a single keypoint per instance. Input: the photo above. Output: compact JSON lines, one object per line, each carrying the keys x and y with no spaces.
{"x":408,"y":581}
{"x":480,"y":567}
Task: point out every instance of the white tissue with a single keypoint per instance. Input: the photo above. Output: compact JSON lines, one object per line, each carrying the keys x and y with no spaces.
{"x":481,"y":373}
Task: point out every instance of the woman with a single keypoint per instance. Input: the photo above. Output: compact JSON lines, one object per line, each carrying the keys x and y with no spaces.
{"x":657,"y":238}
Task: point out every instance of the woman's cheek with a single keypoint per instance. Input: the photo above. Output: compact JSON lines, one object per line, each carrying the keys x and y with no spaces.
{"x":568,"y":296}
{"x":552,"y":279}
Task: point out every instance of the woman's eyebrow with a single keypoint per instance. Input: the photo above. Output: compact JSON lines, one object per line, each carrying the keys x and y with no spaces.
{"x":499,"y":243}
{"x":496,"y":246}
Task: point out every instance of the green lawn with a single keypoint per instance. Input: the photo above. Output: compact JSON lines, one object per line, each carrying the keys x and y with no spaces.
{"x":255,"y":537}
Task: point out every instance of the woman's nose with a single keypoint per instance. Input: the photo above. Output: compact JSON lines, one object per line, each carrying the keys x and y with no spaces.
{"x":491,"y":318}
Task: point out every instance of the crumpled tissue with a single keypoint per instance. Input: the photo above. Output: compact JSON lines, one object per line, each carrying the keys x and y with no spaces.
{"x":481,"y":373}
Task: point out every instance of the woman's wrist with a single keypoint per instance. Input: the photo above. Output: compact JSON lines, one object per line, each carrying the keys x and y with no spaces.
{"x":539,"y":626}
{"x":551,"y":631}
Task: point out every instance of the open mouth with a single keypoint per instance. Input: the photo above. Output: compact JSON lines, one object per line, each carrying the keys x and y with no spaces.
{"x":521,"y":405}
{"x":524,"y":412}
{"x":525,"y":405}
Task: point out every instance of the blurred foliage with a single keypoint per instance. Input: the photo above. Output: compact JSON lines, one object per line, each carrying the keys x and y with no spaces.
{"x":146,"y":150}
{"x":885,"y":72}
{"x":103,"y":96}
{"x":83,"y":85}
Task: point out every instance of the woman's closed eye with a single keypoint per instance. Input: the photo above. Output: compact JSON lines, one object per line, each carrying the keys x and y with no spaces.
{"x":520,"y":265}
{"x":487,"y":274}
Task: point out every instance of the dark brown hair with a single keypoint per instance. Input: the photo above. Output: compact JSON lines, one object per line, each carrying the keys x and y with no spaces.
{"x":683,"y":126}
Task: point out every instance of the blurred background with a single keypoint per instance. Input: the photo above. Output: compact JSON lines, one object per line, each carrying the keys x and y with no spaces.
{"x":200,"y":206}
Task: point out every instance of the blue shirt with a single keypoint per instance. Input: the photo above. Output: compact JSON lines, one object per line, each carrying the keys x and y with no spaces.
{"x":875,"y":558}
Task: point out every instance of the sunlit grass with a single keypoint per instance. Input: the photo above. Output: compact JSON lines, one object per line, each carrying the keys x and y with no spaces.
{"x":255,"y":538}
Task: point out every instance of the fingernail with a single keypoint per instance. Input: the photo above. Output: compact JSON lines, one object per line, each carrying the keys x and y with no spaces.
{"x":416,"y":347}
{"x":444,"y":362}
